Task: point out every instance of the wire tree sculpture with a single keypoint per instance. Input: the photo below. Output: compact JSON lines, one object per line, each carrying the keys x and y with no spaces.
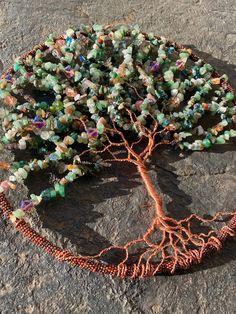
{"x":115,"y":95}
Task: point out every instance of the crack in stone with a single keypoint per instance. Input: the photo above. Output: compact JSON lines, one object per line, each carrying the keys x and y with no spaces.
{"x":194,"y":173}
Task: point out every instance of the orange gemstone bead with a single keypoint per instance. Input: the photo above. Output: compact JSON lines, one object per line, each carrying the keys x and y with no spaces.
{"x":205,"y":106}
{"x":215,"y":81}
{"x":4,"y":165}
{"x":100,"y":40}
{"x":10,"y":100}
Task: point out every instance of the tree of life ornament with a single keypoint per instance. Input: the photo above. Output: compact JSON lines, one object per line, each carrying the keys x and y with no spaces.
{"x":114,"y":95}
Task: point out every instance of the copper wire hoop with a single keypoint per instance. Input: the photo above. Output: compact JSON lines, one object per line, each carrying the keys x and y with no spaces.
{"x":125,"y":270}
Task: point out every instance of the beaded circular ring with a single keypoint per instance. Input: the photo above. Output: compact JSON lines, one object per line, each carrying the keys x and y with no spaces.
{"x":117,"y":95}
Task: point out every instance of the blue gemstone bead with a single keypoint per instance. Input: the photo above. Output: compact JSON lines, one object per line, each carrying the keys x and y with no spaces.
{"x":69,"y":40}
{"x":82,"y":58}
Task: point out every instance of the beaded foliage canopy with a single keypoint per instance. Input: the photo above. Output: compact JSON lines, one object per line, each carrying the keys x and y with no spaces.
{"x":115,"y":95}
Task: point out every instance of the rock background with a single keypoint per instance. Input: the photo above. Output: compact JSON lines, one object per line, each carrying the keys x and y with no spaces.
{"x":95,"y":208}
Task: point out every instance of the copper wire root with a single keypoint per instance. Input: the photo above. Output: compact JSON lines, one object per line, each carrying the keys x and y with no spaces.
{"x":140,"y":269}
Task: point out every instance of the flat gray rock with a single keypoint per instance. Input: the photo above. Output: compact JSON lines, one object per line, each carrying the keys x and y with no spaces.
{"x":110,"y":208}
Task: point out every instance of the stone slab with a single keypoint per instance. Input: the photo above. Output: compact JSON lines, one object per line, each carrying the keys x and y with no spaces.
{"x":32,"y":282}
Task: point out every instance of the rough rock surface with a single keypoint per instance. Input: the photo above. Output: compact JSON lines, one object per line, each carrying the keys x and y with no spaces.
{"x":101,"y":210}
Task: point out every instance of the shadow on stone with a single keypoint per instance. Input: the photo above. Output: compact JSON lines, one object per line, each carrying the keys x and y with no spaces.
{"x":72,"y":216}
{"x":223,"y":67}
{"x":78,"y":215}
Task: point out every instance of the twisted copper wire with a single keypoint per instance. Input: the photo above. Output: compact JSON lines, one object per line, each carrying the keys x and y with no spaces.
{"x":131,"y":270}
{"x":140,"y":269}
